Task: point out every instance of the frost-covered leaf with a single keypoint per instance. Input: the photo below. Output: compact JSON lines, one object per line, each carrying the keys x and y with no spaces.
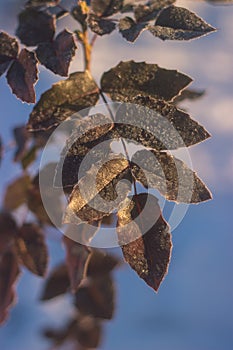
{"x":156,"y":124}
{"x":97,"y":298}
{"x":57,"y":283}
{"x":100,"y":25}
{"x":9,"y":272}
{"x":129,"y":29}
{"x":17,"y":192}
{"x":132,"y":78}
{"x":170,"y":176}
{"x":86,"y":146}
{"x":99,"y":192}
{"x":148,"y":254}
{"x":35,"y":27}
{"x":31,"y":249}
{"x":57,"y":55}
{"x":65,"y":98}
{"x":178,"y":23}
{"x":105,"y":8}
{"x":8,"y":51}
{"x":23,"y":75}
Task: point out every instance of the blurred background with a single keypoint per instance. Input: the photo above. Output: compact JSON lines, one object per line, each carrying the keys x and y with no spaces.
{"x":193,"y":309}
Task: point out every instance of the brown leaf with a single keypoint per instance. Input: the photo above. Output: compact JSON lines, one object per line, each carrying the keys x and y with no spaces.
{"x":145,"y":13}
{"x":188,"y":94}
{"x":9,"y":272}
{"x":105,"y":8}
{"x":17,"y":192}
{"x":97,"y":298}
{"x":99,"y":183}
{"x":99,"y":25}
{"x":57,"y":283}
{"x":8,"y":232}
{"x":8,"y":51}
{"x":21,"y":136}
{"x":157,"y":124}
{"x":32,"y":249}
{"x":129,"y":29}
{"x":23,"y":75}
{"x":146,"y":243}
{"x":139,"y":78}
{"x":35,"y":26}
{"x":101,"y":263}
{"x":57,"y":55}
{"x":87,"y":145}
{"x":77,"y":258}
{"x":170,"y":176}
{"x":65,"y":98}
{"x":178,"y":23}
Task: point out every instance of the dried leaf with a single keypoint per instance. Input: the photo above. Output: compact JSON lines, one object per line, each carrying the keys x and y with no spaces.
{"x":35,"y":27}
{"x":77,"y":258}
{"x":57,"y":283}
{"x":9,"y":272}
{"x":101,"y":263}
{"x":132,"y":78}
{"x":100,"y":26}
{"x":188,"y":94}
{"x":8,"y":232}
{"x":178,"y":23}
{"x":148,"y":254}
{"x":32,"y":249}
{"x":8,"y":51}
{"x":29,"y":157}
{"x":57,"y":55}
{"x":21,"y":137}
{"x":106,"y":8}
{"x":145,"y":13}
{"x":23,"y":75}
{"x":16,"y":193}
{"x":170,"y":176}
{"x":65,"y":98}
{"x":129,"y":29}
{"x":97,"y":298}
{"x":87,"y":145}
{"x":101,"y":195}
{"x":156,"y":124}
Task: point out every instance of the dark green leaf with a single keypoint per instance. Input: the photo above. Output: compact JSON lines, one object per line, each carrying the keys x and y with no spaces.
{"x":65,"y":98}
{"x":146,"y":249}
{"x":31,"y":249}
{"x":99,"y":25}
{"x":132,"y":78}
{"x":178,"y":23}
{"x":170,"y":176}
{"x":129,"y":29}
{"x":35,"y":27}
{"x":57,"y":55}
{"x":8,"y":51}
{"x":23,"y":75}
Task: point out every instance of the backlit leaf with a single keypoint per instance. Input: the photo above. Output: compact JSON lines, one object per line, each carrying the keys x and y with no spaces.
{"x":16,"y":193}
{"x":178,"y":23}
{"x":57,"y":55}
{"x":22,"y":76}
{"x":170,"y":176}
{"x":100,"y":26}
{"x":129,"y":29}
{"x":32,"y":249}
{"x":35,"y":27}
{"x":65,"y":98}
{"x":8,"y":51}
{"x":105,"y":8}
{"x":104,"y":191}
{"x":149,"y":254}
{"x":132,"y":78}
